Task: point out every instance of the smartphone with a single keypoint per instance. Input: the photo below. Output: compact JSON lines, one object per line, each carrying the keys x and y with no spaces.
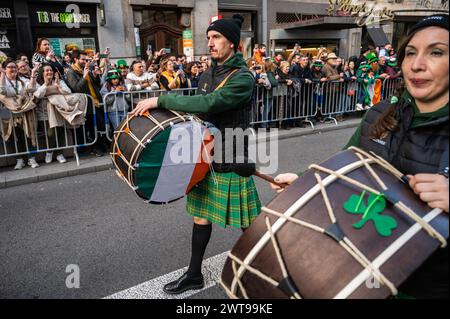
{"x":150,"y":48}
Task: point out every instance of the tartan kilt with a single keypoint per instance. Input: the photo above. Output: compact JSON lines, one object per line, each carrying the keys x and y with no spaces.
{"x":233,"y":201}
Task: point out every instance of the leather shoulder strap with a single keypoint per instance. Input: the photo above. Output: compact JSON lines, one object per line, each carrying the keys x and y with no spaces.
{"x":221,"y":85}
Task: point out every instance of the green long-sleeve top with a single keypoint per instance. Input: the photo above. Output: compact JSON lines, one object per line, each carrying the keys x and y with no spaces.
{"x":237,"y":92}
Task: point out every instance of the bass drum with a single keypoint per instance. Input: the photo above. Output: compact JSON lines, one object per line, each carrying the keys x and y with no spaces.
{"x":348,"y":228}
{"x":163,"y":154}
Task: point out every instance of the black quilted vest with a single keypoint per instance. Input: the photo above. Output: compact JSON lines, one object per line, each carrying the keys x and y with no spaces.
{"x":236,"y":118}
{"x":410,"y":150}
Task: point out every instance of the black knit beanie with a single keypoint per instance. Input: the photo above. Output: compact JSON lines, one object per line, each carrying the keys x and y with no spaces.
{"x":229,"y":28}
{"x":439,"y":20}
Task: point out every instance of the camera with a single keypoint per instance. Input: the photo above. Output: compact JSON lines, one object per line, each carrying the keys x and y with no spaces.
{"x":257,"y":68}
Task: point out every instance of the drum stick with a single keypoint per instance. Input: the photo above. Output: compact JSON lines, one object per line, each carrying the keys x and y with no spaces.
{"x":270,"y":179}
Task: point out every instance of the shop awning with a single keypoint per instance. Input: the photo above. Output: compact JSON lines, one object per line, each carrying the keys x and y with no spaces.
{"x":378,"y":36}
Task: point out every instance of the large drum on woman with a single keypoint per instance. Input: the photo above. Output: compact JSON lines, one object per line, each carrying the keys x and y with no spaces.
{"x":348,"y":228}
{"x":163,"y":154}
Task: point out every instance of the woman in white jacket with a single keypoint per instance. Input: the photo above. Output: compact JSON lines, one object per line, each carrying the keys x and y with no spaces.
{"x":51,"y":84}
{"x":13,"y":86}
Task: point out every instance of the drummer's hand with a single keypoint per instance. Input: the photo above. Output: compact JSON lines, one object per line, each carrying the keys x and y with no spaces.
{"x":145,"y":106}
{"x":288,"y":178}
{"x":432,"y":189}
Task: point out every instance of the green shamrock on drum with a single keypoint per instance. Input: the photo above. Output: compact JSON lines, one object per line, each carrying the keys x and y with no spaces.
{"x":371,"y":211}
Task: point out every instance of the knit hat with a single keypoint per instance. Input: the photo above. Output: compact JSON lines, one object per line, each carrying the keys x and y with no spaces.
{"x":229,"y":28}
{"x":439,"y":20}
{"x":122,"y":63}
{"x":372,"y":58}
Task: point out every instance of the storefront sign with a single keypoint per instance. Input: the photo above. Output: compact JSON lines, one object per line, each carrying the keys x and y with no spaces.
{"x":6,"y":13}
{"x":366,"y":13}
{"x":63,"y":15}
{"x":6,"y":40}
{"x":188,"y":44}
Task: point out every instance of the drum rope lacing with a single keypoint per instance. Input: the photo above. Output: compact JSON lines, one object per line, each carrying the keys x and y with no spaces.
{"x":342,"y":240}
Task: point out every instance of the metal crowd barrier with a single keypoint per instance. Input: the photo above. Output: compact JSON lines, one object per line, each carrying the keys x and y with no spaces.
{"x":391,"y":86}
{"x":283,"y":102}
{"x":305,"y":101}
{"x":46,"y":139}
{"x":117,"y":104}
{"x":299,"y":102}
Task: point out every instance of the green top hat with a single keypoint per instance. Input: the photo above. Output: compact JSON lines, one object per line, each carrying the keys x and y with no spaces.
{"x":372,"y":57}
{"x":122,"y":63}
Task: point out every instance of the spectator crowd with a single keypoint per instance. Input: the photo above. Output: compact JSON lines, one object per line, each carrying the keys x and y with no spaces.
{"x":44,"y":93}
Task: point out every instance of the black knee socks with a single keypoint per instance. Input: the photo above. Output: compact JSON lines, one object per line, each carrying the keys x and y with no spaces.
{"x":200,"y":239}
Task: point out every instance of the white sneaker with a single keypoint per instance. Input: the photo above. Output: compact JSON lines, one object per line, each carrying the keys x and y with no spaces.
{"x":359,"y":107}
{"x":61,"y":159}
{"x":49,"y":158}
{"x":32,"y":162}
{"x":20,"y":164}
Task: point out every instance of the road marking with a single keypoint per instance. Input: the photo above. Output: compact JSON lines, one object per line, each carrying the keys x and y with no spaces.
{"x":153,"y":289}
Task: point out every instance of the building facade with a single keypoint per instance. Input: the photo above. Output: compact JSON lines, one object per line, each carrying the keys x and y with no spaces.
{"x":330,"y":23}
{"x":131,"y":27}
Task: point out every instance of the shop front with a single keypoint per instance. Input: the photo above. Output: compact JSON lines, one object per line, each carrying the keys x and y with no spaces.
{"x":7,"y":28}
{"x":165,"y":28}
{"x":67,"y":25}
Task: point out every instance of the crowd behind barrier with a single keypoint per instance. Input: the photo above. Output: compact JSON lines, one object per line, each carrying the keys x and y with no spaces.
{"x":53,"y":130}
{"x":276,"y":105}
{"x":292,"y":88}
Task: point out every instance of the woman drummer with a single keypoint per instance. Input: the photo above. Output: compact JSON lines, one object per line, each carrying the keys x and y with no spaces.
{"x":411,"y":132}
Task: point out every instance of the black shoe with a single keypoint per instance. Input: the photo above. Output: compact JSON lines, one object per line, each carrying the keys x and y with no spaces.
{"x":97,"y":152}
{"x":184,"y":283}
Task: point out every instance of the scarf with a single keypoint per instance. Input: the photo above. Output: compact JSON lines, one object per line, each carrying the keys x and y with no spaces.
{"x":92,"y":91}
{"x":170,"y":77}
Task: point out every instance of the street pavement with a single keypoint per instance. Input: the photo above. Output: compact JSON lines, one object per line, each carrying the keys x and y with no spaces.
{"x":123,"y":247}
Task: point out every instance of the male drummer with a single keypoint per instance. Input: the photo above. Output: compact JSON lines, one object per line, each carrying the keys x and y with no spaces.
{"x":225,"y":94}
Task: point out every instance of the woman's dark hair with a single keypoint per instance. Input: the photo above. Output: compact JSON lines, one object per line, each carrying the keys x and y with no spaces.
{"x":189,"y":67}
{"x":388,"y":122}
{"x":38,"y":44}
{"x":40,"y":78}
{"x":8,"y":61}
{"x":109,"y":83}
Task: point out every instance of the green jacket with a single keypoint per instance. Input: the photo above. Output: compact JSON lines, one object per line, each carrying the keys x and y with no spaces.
{"x":235,"y":93}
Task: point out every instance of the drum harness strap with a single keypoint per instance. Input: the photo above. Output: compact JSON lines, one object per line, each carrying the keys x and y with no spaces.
{"x":334,"y":231}
{"x":210,"y":162}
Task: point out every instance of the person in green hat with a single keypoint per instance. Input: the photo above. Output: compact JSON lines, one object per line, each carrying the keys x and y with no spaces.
{"x":392,"y":69}
{"x":365,"y":82}
{"x":123,"y":68}
{"x":117,"y":103}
